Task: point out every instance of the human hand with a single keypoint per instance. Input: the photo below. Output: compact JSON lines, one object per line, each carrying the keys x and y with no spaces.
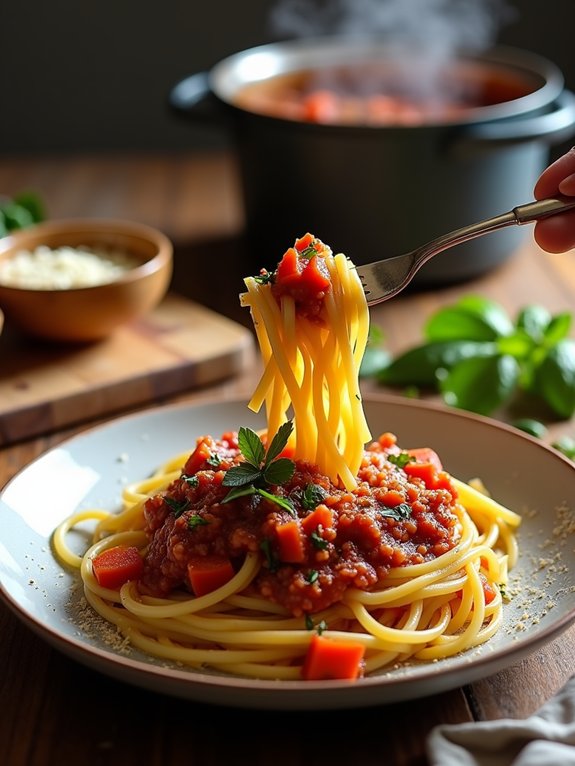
{"x":556,"y":234}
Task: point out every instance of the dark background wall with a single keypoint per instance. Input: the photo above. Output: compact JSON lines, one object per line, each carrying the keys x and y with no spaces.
{"x":81,"y":75}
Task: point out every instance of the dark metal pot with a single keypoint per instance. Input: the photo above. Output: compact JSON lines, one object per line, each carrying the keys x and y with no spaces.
{"x":377,"y":191}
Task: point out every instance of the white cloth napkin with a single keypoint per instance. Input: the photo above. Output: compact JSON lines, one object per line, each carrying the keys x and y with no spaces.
{"x":547,"y":738}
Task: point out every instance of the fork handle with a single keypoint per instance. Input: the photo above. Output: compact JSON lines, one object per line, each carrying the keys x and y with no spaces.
{"x":522,"y":214}
{"x":534,"y":211}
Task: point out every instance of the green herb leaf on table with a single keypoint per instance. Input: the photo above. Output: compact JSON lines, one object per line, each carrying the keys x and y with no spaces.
{"x":19,"y":212}
{"x":478,"y":358}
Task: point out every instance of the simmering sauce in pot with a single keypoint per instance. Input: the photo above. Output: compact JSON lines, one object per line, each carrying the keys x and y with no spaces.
{"x":384,"y":94}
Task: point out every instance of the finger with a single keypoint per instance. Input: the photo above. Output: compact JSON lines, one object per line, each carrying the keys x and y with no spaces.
{"x":560,"y":170}
{"x":567,"y":186}
{"x":557,"y":233}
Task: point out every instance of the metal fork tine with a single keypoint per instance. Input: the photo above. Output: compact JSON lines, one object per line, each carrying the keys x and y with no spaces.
{"x":383,"y":279}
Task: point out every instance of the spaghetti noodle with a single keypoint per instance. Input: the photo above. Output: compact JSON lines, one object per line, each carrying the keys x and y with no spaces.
{"x":253,"y":546}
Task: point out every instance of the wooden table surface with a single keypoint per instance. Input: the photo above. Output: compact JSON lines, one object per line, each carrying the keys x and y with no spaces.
{"x":55,"y":711}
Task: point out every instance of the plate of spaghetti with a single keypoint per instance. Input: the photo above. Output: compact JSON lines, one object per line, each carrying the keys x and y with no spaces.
{"x":305,"y":549}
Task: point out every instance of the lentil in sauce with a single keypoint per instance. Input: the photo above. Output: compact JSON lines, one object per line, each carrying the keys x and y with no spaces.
{"x":401,"y":513}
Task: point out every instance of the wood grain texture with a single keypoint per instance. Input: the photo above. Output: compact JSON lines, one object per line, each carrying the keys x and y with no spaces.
{"x":56,"y":711}
{"x":177,"y":347}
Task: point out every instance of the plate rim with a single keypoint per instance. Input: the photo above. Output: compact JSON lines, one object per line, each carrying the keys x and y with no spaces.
{"x":254,"y":693}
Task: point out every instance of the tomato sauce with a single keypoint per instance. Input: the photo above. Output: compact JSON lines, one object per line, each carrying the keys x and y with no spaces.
{"x":347,"y":539}
{"x":302,"y":274}
{"x":383,"y":93}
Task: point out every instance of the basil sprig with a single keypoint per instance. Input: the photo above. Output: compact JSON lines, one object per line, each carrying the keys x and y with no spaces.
{"x":478,"y":358}
{"x":261,"y":468}
{"x":19,"y":212}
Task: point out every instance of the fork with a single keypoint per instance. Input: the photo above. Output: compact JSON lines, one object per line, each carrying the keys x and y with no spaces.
{"x":383,"y":279}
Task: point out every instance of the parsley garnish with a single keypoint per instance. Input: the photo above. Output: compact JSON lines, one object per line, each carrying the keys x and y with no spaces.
{"x":197,"y":521}
{"x":309,"y":251}
{"x":192,"y":481}
{"x":310,"y":625}
{"x":312,"y":576}
{"x":265,"y":277}
{"x":272,"y":560}
{"x":214,"y":460}
{"x":261,"y":468}
{"x":177,"y":506}
{"x":401,"y":460}
{"x":398,"y":512}
{"x":318,"y":541}
{"x":312,"y":496}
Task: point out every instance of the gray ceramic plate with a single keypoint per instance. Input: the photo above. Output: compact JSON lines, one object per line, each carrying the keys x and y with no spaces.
{"x":92,"y":468}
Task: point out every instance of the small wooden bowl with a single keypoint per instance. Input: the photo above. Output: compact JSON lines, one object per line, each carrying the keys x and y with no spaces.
{"x":88,"y":313}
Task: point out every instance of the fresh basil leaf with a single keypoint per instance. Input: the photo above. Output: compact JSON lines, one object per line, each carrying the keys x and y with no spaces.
{"x":482,"y":384}
{"x":375,"y":335}
{"x":472,"y":318}
{"x":566,"y":445}
{"x":238,"y":475}
{"x":374,"y":360}
{"x":534,"y":320}
{"x":311,"y":576}
{"x":16,"y":217}
{"x":558,"y":328}
{"x":32,"y":203}
{"x":191,"y":481}
{"x":519,"y":344}
{"x":251,"y":446}
{"x":280,"y":471}
{"x":279,"y":441}
{"x":419,"y":365}
{"x":555,"y":378}
{"x":530,"y":426}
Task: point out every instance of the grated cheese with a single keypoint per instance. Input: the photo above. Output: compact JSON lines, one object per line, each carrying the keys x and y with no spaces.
{"x":63,"y":268}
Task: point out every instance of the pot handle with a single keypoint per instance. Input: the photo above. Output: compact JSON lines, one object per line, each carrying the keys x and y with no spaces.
{"x":554,"y":126}
{"x":193,"y":97}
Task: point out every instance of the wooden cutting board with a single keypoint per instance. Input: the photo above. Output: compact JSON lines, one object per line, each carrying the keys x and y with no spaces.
{"x":177,"y":347}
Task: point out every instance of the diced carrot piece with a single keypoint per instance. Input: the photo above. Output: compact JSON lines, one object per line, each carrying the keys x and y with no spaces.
{"x":328,"y":659}
{"x":288,"y":267}
{"x":303,"y":242}
{"x":489,"y":591}
{"x":426,"y":455}
{"x":427,"y":472}
{"x":197,"y":460}
{"x":290,"y":542}
{"x":321,"y":515}
{"x":208,"y":573}
{"x":115,"y":566}
{"x":430,"y":475}
{"x":392,"y":498}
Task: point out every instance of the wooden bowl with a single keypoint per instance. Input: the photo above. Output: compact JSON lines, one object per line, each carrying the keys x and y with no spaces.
{"x":88,"y":313}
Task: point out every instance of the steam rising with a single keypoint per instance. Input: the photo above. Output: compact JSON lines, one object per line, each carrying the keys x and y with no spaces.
{"x":438,"y":28}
